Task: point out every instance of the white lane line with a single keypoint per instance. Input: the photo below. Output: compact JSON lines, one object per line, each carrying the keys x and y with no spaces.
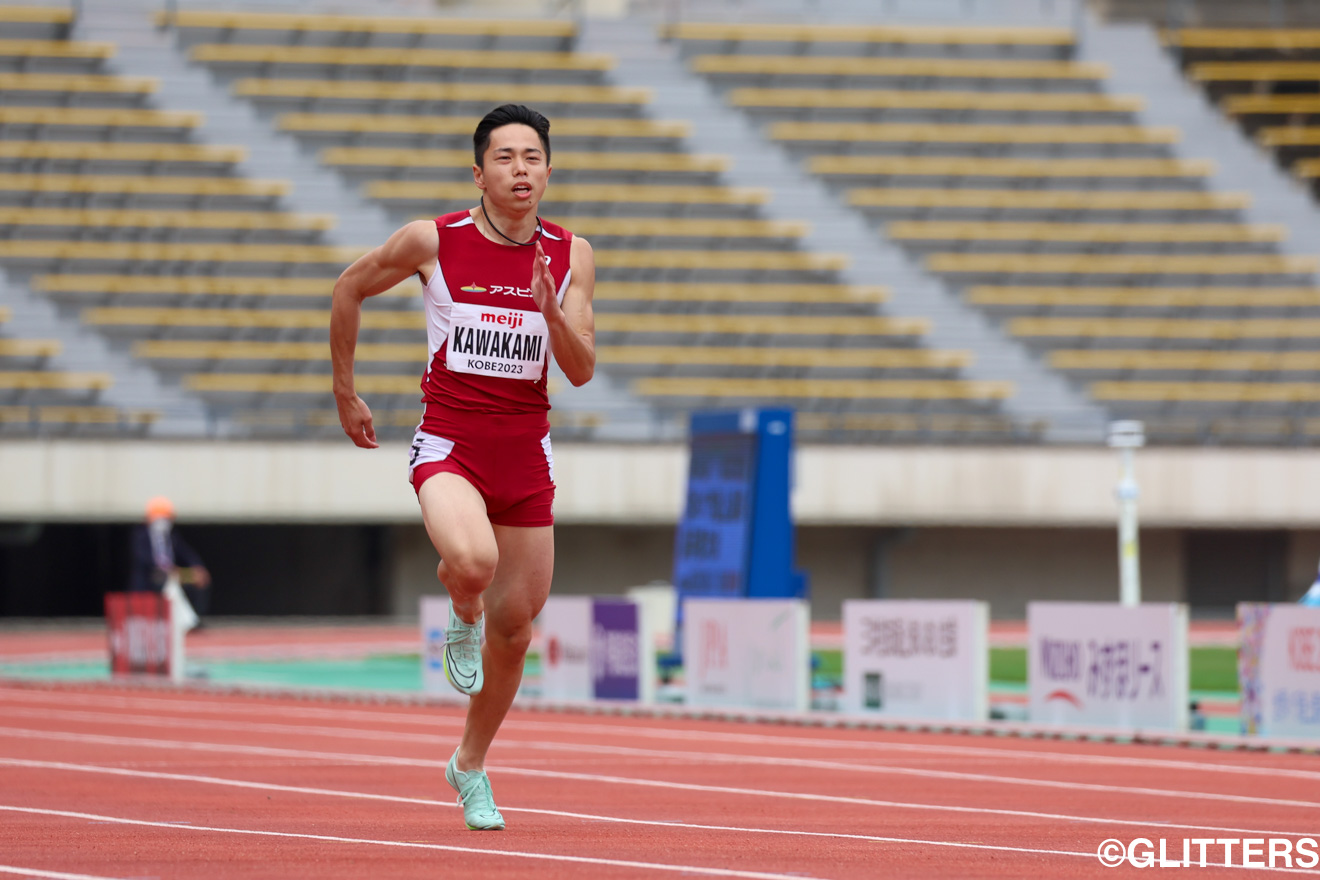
{"x":158,"y":721}
{"x":51,"y":875}
{"x":619,"y":863}
{"x":705,"y":737}
{"x":379,"y":760}
{"x":473,"y":850}
{"x":1145,"y":824}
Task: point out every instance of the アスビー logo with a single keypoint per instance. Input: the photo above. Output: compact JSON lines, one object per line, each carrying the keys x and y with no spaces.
{"x":473,"y":288}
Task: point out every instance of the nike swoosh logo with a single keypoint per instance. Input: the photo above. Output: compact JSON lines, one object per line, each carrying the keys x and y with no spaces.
{"x":468,"y":682}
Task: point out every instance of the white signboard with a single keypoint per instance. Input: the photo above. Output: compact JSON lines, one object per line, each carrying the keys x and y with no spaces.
{"x":435,"y":618}
{"x":565,"y":624}
{"x":1108,"y":665}
{"x":594,"y":648}
{"x":1279,"y":669}
{"x":911,"y":659}
{"x":748,"y":653}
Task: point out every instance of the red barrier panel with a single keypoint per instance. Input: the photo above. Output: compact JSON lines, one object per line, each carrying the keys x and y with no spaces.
{"x":138,"y":627}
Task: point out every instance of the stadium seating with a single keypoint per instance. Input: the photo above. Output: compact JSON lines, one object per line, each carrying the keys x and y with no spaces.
{"x":692,"y":281}
{"x":1001,"y":164}
{"x":1266,"y":79}
{"x":105,"y":197}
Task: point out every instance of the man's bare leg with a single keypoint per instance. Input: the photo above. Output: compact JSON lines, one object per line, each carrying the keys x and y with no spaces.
{"x":455,"y":518}
{"x":515,"y":596}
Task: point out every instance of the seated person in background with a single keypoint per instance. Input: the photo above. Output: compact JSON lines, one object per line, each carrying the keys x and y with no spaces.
{"x":159,"y":551}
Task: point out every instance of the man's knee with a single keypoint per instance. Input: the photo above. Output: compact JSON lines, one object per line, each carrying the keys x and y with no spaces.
{"x":509,"y":638}
{"x":467,"y":572}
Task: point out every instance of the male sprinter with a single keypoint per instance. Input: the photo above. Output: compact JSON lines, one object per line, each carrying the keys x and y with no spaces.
{"x":503,"y":290}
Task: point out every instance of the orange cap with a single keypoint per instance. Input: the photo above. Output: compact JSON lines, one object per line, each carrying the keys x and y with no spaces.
{"x":159,"y":507}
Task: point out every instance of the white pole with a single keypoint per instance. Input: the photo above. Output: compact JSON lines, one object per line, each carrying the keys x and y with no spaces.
{"x":182,"y":619}
{"x":1127,"y":437}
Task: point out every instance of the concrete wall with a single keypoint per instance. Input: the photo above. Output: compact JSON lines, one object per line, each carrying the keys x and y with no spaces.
{"x":604,"y":484}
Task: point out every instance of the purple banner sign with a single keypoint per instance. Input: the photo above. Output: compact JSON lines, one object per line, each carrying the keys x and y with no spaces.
{"x":615,"y":650}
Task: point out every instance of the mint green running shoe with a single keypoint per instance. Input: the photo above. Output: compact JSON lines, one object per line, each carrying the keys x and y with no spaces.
{"x":462,"y":659}
{"x":475,"y":796}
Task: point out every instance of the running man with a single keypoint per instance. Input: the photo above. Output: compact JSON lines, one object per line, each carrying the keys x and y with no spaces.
{"x":503,"y":290}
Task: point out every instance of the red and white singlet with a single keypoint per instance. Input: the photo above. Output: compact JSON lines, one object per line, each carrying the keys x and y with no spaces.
{"x":487,"y":341}
{"x":485,"y":381}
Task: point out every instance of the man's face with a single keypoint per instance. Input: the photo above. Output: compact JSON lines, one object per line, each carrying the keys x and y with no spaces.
{"x":514,"y":170}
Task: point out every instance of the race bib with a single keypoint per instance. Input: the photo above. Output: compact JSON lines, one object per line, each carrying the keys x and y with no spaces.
{"x":491,"y":341}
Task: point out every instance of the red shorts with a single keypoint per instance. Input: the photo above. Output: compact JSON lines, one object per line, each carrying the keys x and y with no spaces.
{"x":507,"y":459}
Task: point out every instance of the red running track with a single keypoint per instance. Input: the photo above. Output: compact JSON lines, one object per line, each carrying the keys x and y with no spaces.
{"x":107,"y":782}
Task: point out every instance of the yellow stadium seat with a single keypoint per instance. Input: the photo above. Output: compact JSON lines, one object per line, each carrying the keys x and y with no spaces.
{"x":1084,"y":233}
{"x":840,"y":66}
{"x":120,"y":152}
{"x":1169,"y":328}
{"x":859,"y":33}
{"x":1124,"y":264}
{"x":372,"y":123}
{"x":291,"y":319}
{"x":972,"y":166}
{"x":685,"y":227}
{"x":338,"y":56}
{"x":153,"y":185}
{"x":36,"y":14}
{"x":1048,"y":199}
{"x":916,"y":132}
{"x":797,"y":325}
{"x":95,"y":84}
{"x":1285,"y":105}
{"x":1145,"y":297}
{"x":746,"y":356}
{"x":178,"y":251}
{"x":1255,"y":71}
{"x":936,"y":99}
{"x":1207,"y":392}
{"x":92,"y":117}
{"x":30,"y":347}
{"x":381,"y":24}
{"x":422,"y":191}
{"x":192,"y":349}
{"x":1252,"y":361}
{"x":382,"y":157}
{"x":53,"y":380}
{"x":642,"y":291}
{"x":55,"y":49}
{"x":94,"y":415}
{"x":1289,"y":136}
{"x":1244,"y":38}
{"x":766,"y":261}
{"x":834,"y":389}
{"x":298,"y":383}
{"x":200,"y":285}
{"x":905,"y":423}
{"x":99,"y":218}
{"x":376,"y":90}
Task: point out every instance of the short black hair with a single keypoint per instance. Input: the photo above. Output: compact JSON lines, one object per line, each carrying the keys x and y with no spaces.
{"x":509,"y":114}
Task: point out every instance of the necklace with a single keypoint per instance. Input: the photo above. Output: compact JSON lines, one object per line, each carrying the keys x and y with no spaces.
{"x":535,"y":238}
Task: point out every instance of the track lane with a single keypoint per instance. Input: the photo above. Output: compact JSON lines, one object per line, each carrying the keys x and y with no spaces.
{"x":859,"y":795}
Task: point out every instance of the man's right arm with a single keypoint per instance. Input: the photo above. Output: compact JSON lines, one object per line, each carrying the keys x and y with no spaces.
{"x":410,"y":250}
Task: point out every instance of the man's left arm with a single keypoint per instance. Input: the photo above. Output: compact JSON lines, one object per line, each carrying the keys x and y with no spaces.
{"x":190,"y":560}
{"x":572,"y":324}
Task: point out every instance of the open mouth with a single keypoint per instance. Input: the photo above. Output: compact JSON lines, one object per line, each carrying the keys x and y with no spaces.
{"x":522,"y":189}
